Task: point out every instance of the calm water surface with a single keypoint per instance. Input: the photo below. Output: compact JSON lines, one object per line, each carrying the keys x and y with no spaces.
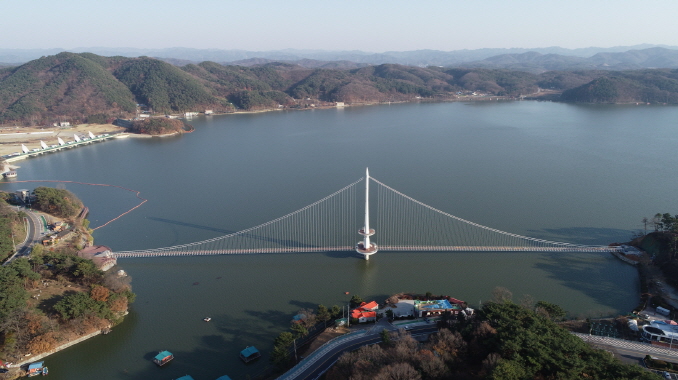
{"x":582,"y":174}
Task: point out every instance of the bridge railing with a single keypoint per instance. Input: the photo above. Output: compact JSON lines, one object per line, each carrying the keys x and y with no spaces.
{"x":324,"y":226}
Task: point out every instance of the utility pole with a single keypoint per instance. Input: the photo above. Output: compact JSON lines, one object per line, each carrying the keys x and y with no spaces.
{"x":348,"y":314}
{"x":295,"y":352}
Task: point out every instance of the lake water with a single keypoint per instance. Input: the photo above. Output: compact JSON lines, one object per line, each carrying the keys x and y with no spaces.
{"x":575,"y":173}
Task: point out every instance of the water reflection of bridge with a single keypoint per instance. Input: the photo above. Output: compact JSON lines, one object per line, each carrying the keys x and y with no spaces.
{"x":330,"y":224}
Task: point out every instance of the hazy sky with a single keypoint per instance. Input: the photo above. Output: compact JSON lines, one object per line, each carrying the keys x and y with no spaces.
{"x":374,"y":26}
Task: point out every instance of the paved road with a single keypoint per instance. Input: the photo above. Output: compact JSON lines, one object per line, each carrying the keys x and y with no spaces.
{"x":632,"y":352}
{"x":323,"y":358}
{"x":645,"y":348}
{"x":33,"y":234}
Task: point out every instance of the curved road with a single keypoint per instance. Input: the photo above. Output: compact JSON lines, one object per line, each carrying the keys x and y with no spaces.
{"x":323,"y":358}
{"x":33,"y":234}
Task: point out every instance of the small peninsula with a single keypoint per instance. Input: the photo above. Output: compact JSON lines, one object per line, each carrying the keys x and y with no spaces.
{"x":62,"y":292}
{"x":157,"y":126}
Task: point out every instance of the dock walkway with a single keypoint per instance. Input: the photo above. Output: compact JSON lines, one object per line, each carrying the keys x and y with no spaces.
{"x":71,"y":144}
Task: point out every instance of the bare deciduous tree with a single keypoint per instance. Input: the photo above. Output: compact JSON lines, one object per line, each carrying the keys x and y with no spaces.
{"x":398,"y":371}
{"x":491,"y":361}
{"x":527,"y":301}
{"x":309,"y":318}
{"x":501,"y":295}
{"x":394,"y":299}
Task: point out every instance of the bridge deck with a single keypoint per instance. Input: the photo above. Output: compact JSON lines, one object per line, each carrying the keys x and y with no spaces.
{"x":158,"y":253}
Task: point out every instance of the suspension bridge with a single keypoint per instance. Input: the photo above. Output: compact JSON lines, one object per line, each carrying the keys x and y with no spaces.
{"x":334,"y":224}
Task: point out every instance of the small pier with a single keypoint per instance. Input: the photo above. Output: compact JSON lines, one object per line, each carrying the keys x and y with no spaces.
{"x":54,"y":148}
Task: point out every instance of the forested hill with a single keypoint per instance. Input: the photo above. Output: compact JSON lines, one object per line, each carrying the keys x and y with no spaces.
{"x":63,"y":85}
{"x":647,"y":86}
{"x":77,"y":87}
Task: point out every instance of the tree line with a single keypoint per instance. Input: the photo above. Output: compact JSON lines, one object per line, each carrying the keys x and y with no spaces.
{"x":80,"y":87}
{"x":504,"y":341}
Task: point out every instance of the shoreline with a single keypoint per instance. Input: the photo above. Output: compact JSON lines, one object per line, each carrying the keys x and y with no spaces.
{"x":12,"y":138}
{"x":31,"y":137}
{"x":492,"y":98}
{"x":67,"y":337}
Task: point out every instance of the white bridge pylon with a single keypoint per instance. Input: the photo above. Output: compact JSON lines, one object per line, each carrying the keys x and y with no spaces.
{"x":404,"y":224}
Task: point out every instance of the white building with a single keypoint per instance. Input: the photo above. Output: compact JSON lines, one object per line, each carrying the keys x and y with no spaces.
{"x":661,"y":331}
{"x":402,"y":309}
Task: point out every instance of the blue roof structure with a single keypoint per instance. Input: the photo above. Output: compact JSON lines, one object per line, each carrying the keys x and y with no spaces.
{"x":437,"y":304}
{"x":35,"y":365}
{"x":187,"y":377}
{"x":163,"y":354}
{"x":223,"y":378}
{"x":249,"y":351}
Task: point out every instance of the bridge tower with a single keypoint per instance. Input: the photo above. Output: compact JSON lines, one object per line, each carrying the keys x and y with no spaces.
{"x":365,"y":247}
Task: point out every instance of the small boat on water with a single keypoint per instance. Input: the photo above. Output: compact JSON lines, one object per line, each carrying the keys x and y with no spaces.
{"x":9,"y":174}
{"x":162,"y":358}
{"x":207,"y":319}
{"x":45,"y":371}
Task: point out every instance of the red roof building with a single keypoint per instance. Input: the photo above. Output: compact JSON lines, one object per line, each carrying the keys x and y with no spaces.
{"x":100,"y":255}
{"x":365,"y":312}
{"x":372,"y":305}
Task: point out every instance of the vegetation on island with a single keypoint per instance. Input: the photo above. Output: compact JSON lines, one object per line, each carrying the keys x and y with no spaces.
{"x":157,"y":126}
{"x":86,"y":87}
{"x":504,"y":341}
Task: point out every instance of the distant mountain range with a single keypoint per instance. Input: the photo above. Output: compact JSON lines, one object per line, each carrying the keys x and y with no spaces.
{"x":420,"y":58}
{"x":629,"y":60}
{"x":85,"y":87}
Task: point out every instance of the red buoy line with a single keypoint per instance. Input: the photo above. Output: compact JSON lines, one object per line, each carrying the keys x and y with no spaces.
{"x":143,"y":200}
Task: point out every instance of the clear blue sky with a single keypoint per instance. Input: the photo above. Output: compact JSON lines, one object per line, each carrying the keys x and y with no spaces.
{"x":374,"y":26}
